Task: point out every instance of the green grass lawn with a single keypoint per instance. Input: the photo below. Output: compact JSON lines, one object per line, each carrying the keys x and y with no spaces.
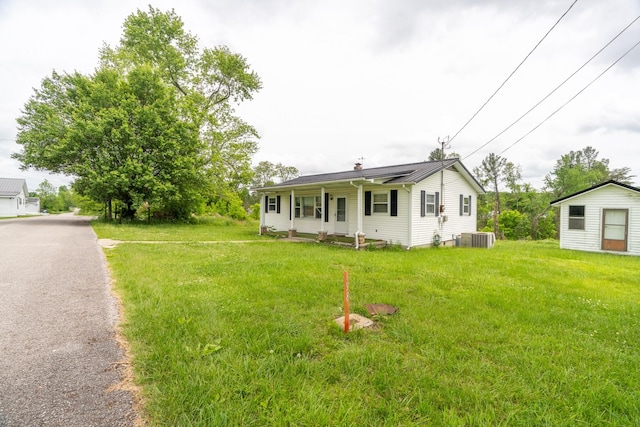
{"x":243,"y":333}
{"x":203,"y":229}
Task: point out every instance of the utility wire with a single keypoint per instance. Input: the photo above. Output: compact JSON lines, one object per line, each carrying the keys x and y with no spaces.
{"x":553,"y":91}
{"x":571,"y":99}
{"x":513,"y":72}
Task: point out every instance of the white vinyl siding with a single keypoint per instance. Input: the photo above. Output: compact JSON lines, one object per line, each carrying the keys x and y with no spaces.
{"x":430,"y":204}
{"x":594,"y":202}
{"x":384,"y":226}
{"x":424,"y":227}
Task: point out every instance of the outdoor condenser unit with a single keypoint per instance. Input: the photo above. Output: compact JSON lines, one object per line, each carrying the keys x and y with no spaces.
{"x":478,"y":240}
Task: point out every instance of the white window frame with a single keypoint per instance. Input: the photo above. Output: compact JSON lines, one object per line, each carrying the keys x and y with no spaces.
{"x":430,"y":203}
{"x":273,"y":203}
{"x":576,"y":219}
{"x":466,"y":205}
{"x":379,"y":207}
{"x":308,"y":203}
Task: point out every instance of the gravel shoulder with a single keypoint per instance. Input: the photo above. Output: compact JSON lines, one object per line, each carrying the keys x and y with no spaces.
{"x":61,"y":364}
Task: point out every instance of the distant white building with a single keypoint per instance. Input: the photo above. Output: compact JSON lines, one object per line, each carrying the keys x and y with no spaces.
{"x":13,"y":197}
{"x":603,"y":218}
{"x":33,"y":206}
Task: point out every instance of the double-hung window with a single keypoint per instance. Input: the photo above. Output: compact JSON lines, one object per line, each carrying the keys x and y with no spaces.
{"x":576,"y":217}
{"x":273,"y":204}
{"x":308,"y":207}
{"x":430,"y":203}
{"x":466,"y":205}
{"x":380,"y":202}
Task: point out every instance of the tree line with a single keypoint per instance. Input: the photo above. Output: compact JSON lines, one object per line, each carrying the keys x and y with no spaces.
{"x":513,"y":209}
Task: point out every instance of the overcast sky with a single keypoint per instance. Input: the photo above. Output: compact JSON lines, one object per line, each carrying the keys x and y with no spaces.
{"x":381,"y":80}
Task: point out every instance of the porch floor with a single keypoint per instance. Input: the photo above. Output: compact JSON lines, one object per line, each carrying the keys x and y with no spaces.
{"x":332,"y":239}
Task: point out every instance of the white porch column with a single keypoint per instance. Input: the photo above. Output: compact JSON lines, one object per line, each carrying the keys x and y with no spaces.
{"x":360,"y":208}
{"x":292,"y":210}
{"x":263,"y":217}
{"x":322,"y":209}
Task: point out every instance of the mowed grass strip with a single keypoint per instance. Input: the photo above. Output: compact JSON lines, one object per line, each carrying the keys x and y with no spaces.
{"x":243,"y":334}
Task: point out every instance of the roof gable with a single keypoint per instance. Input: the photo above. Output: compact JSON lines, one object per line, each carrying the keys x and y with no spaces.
{"x":594,"y":188}
{"x":410,"y":173}
{"x":12,"y":186}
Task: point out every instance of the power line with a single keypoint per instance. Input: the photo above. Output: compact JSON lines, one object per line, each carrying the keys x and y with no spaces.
{"x":514,"y":71}
{"x":570,"y":99}
{"x":554,"y":90}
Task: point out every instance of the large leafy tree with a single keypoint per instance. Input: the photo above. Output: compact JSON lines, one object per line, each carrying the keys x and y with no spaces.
{"x":208,"y":84}
{"x":582,"y":169}
{"x":119,"y":135}
{"x":155,"y":123}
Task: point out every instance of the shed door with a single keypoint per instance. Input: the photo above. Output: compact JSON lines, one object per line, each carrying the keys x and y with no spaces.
{"x":614,"y":229}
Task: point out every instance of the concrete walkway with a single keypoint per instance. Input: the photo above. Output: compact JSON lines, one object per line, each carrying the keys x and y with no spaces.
{"x":60,"y":364}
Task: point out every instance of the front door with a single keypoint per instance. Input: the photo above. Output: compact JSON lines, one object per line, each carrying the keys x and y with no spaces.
{"x":614,"y":229}
{"x":341,"y":226}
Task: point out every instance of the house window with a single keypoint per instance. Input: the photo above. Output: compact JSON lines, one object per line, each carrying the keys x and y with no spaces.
{"x":430,"y":203}
{"x":466,"y":205}
{"x":380,"y":202}
{"x":273,"y":204}
{"x":308,"y":207}
{"x":576,"y":217}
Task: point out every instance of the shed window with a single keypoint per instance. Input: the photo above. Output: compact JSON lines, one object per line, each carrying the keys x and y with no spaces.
{"x":380,"y":202}
{"x":576,"y":217}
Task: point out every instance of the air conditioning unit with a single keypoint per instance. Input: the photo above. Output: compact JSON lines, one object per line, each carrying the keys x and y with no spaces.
{"x":477,"y":240}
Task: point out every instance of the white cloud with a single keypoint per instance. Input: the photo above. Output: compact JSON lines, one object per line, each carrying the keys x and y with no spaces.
{"x":375,"y":79}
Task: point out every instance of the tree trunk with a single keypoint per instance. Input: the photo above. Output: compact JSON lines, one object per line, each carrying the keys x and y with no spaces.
{"x":496,"y":210}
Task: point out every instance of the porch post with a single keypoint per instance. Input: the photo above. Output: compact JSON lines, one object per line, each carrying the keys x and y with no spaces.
{"x":322,"y":209}
{"x":263,"y":217}
{"x":360,"y":208}
{"x":292,"y":212}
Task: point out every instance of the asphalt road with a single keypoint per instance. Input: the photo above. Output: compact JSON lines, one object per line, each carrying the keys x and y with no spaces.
{"x":59,"y":359}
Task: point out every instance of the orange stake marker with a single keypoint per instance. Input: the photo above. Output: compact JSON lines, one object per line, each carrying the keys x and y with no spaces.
{"x":346,"y":302}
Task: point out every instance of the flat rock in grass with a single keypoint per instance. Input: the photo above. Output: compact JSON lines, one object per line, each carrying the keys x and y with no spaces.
{"x":381,"y":309}
{"x":355,"y":321}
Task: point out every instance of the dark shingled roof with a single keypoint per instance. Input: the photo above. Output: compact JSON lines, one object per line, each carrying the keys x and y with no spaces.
{"x":11,"y":186}
{"x":397,"y":174}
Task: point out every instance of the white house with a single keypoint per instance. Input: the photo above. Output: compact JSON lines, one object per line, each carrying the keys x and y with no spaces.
{"x":13,"y":197}
{"x":603,"y":218}
{"x":410,"y":204}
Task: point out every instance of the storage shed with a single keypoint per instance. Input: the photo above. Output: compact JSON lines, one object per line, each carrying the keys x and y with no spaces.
{"x":603,"y":218}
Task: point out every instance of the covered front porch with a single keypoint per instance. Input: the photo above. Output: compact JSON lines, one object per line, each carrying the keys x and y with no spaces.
{"x":327,"y":212}
{"x":342,"y":240}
